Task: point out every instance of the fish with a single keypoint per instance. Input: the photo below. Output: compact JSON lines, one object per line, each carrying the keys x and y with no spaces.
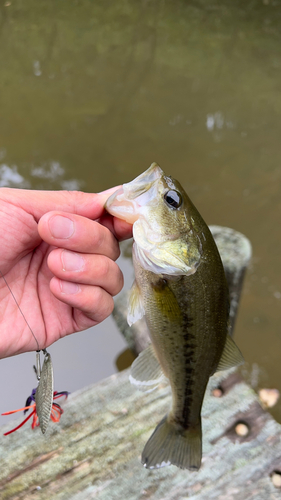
{"x":181,"y":290}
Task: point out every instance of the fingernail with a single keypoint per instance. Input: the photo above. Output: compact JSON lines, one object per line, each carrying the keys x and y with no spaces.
{"x":72,"y":261}
{"x":61,"y":227}
{"x":69,"y":288}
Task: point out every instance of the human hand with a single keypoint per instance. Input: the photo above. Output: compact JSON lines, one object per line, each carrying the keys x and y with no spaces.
{"x":58,"y":252}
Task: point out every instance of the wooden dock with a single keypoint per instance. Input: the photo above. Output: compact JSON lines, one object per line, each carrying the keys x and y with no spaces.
{"x":94,"y":452}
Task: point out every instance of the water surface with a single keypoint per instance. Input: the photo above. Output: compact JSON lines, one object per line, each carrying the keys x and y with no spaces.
{"x":92,"y":92}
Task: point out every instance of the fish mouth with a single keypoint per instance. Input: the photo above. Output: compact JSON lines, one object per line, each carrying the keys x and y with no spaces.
{"x":138,"y":202}
{"x":127,"y":202}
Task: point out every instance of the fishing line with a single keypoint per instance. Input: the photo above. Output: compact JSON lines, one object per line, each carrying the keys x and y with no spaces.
{"x":38,"y":348}
{"x":45,"y":377}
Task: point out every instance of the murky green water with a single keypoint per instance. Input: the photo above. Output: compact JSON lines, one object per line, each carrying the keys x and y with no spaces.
{"x":92,"y":92}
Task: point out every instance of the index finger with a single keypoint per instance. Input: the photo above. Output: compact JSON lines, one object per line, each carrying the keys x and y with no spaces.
{"x":37,"y":203}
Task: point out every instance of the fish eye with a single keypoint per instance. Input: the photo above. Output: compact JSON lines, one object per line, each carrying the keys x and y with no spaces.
{"x":173,"y":199}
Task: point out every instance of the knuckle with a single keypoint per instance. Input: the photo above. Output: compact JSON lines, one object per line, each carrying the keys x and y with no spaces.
{"x":97,"y":297}
{"x":119,"y":281}
{"x":117,"y":251}
{"x":112,"y":276}
{"x":104,"y":267}
{"x":98,"y":235}
{"x":110,"y":306}
{"x":77,"y":199}
{"x":104,"y":304}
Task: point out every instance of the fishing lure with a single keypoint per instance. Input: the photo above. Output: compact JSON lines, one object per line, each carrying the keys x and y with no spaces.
{"x":55,"y":413}
{"x":45,"y":389}
{"x":43,"y":396}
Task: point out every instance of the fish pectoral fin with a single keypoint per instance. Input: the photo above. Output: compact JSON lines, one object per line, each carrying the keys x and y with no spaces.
{"x":146,"y":372}
{"x":167,"y":303}
{"x":135,"y":306}
{"x":231,"y":355}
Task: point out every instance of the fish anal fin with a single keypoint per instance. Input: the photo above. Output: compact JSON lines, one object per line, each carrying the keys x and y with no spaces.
{"x":171,"y":445}
{"x":231,"y":355}
{"x":146,"y":372}
{"x":135,"y":306}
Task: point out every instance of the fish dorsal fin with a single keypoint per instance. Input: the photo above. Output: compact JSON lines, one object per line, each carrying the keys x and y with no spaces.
{"x":146,"y":372}
{"x":231,"y":355}
{"x":135,"y":306}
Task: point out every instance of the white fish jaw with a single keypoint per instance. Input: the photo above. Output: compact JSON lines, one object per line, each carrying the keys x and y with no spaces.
{"x":128,"y":202}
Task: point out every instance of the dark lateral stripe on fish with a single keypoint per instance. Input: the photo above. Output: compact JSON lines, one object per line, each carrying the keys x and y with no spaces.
{"x":187,"y":324}
{"x":183,"y":419}
{"x":189,"y":371}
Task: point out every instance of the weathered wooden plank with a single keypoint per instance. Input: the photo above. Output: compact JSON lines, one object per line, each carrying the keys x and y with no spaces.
{"x":95,"y":450}
{"x":235,"y":251}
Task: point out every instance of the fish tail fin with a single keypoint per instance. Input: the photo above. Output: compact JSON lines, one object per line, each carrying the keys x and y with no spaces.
{"x":172,"y":444}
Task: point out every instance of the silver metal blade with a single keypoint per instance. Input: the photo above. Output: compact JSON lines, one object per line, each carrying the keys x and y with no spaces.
{"x":44,"y":393}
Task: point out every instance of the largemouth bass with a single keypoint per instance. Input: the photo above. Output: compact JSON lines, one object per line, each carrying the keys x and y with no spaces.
{"x":180,"y":287}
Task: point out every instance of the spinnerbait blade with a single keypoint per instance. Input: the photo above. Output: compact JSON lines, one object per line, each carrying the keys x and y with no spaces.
{"x":44,"y":393}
